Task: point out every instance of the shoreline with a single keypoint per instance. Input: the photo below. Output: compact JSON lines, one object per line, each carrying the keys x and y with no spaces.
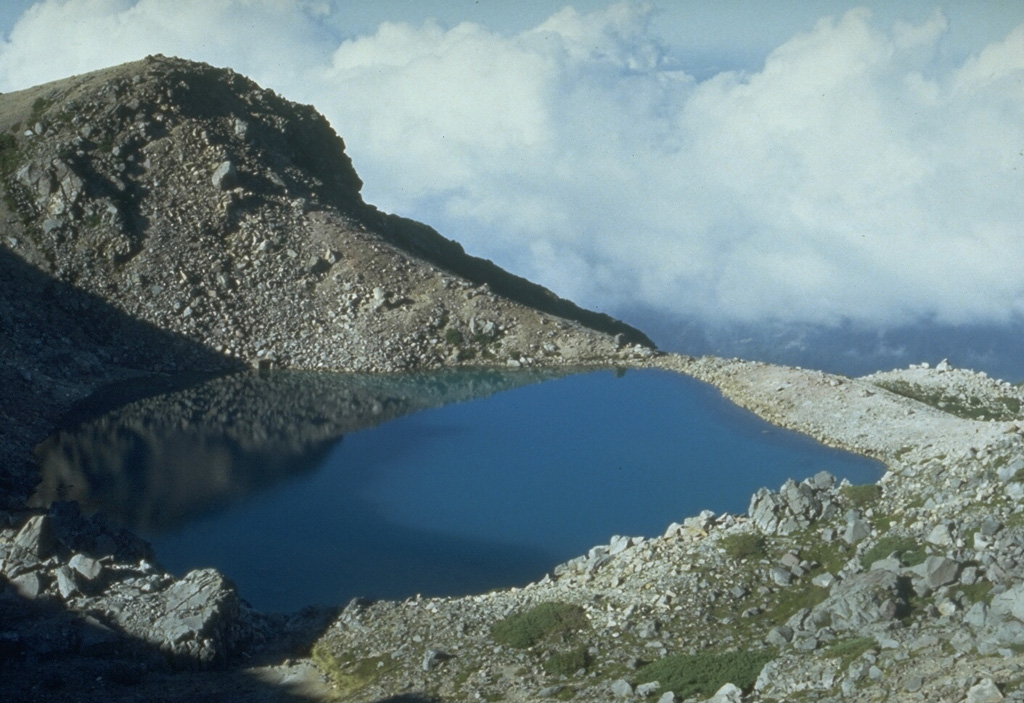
{"x":852,"y":414}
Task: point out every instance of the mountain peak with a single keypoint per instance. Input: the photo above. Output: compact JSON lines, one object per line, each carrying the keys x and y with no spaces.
{"x":188,"y":197}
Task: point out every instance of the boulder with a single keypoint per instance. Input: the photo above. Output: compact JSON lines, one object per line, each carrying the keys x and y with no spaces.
{"x":646,"y":690}
{"x":88,"y":568}
{"x":225,"y":176}
{"x":863,"y":599}
{"x":856,"y":530}
{"x":67,"y":582}
{"x":985,"y":691}
{"x":195,"y":621}
{"x":937,"y":571}
{"x":729,"y":693}
{"x":795,"y":506}
{"x":622,"y":688}
{"x":941,"y":536}
{"x":30,"y":585}
{"x":36,"y":538}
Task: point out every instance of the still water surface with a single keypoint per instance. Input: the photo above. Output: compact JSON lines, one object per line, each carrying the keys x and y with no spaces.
{"x":457,"y":499}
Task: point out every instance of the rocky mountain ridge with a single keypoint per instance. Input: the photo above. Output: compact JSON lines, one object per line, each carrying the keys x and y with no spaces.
{"x":192,"y":199}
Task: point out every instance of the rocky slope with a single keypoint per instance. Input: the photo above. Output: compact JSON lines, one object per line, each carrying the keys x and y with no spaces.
{"x":188,"y":197}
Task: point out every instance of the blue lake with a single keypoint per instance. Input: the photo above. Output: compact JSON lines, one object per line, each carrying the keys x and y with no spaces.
{"x":478,"y":494}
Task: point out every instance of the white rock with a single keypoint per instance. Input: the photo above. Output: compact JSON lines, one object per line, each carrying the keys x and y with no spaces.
{"x":729,"y":693}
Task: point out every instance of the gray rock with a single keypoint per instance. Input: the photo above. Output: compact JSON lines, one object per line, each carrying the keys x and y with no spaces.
{"x":938,"y":571}
{"x":990,"y":526}
{"x":862,"y":599}
{"x":781,"y":576}
{"x":646,"y":690}
{"x":890,"y":563}
{"x":856,"y":530}
{"x":622,"y":688}
{"x":88,"y":568}
{"x":195,"y":620}
{"x":36,"y":538}
{"x":30,"y":585}
{"x":823,"y":481}
{"x":729,"y":693}
{"x":985,"y":691}
{"x":668,"y":697}
{"x":433,"y":658}
{"x":779,"y":635}
{"x":67,"y":582}
{"x":550,"y":691}
{"x":941,"y":535}
{"x":1014,"y":491}
{"x":1009,"y":603}
{"x":977,"y":615}
{"x":225,"y":176}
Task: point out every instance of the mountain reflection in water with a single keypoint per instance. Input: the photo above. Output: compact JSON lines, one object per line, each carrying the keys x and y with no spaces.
{"x":247,"y":474}
{"x":163,"y":461}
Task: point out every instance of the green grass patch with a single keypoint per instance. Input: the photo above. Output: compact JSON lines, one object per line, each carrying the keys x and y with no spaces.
{"x":1002,"y":408}
{"x":850,"y":650}
{"x":978,"y":592}
{"x":863,"y":495}
{"x":907,"y":549}
{"x":453,"y":336}
{"x":702,"y":674}
{"x":744,"y":545}
{"x":39,"y":106}
{"x":793,"y":598}
{"x":544,"y":621}
{"x":8,"y":152}
{"x":351,"y":673}
{"x":568,"y":663}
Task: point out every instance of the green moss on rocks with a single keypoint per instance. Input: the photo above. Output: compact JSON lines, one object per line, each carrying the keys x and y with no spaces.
{"x":907,"y":549}
{"x":702,"y":674}
{"x":744,"y":545}
{"x":863,"y":495}
{"x":568,"y":663}
{"x":849,"y":650}
{"x":541,"y":622}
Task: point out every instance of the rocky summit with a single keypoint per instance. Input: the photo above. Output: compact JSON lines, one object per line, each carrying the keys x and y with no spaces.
{"x":164,"y":222}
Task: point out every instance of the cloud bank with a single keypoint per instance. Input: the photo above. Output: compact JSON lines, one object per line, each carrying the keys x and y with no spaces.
{"x":853,"y":177}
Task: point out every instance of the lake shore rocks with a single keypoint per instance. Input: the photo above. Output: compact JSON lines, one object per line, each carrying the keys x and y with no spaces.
{"x":907,"y":590}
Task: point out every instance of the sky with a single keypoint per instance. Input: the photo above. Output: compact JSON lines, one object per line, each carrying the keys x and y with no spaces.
{"x":710,"y":166}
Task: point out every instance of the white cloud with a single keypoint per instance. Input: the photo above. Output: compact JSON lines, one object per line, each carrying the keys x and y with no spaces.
{"x":853,"y":176}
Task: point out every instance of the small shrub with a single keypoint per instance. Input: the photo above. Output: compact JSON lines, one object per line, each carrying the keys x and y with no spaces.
{"x":39,"y":106}
{"x":538,"y":623}
{"x":795,"y":598}
{"x":744,"y":545}
{"x":978,"y":592}
{"x":906,"y":548}
{"x":863,"y":495}
{"x":702,"y":674}
{"x":453,"y":336}
{"x":850,"y":650}
{"x":567,"y":663}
